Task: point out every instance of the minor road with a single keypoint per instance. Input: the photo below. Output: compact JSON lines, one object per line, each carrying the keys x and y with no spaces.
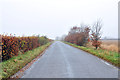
{"x":63,"y":61}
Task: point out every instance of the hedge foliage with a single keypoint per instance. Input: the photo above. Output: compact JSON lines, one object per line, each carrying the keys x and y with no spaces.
{"x":12,"y":46}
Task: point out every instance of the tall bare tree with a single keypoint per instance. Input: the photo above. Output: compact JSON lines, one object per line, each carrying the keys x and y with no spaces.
{"x":96,"y":34}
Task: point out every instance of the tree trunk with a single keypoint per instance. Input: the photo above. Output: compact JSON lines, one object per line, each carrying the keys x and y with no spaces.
{"x":96,"y":47}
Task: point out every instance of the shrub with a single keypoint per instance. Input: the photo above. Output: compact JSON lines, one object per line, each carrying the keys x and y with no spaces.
{"x":43,"y":40}
{"x":11,"y":45}
{"x":78,"y":35}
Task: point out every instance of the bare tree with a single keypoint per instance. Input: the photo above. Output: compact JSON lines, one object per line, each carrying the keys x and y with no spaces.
{"x":96,"y":34}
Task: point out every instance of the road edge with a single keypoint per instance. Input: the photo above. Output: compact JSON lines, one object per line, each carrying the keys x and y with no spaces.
{"x":103,"y":60}
{"x":20,"y":73}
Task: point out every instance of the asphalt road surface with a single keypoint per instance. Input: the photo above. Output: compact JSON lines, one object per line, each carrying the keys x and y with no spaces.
{"x":63,"y":61}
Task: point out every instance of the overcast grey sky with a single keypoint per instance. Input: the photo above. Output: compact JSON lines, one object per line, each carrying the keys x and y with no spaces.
{"x":55,"y":17}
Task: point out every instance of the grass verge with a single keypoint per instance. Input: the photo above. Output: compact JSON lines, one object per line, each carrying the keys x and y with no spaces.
{"x":13,"y":65}
{"x":109,"y":56}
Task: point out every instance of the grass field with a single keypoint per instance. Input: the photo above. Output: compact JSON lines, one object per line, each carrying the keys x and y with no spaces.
{"x":110,"y":45}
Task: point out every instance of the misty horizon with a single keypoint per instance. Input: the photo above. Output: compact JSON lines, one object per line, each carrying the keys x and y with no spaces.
{"x":55,"y":18}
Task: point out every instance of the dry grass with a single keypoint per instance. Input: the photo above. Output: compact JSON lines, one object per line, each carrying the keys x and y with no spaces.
{"x":110,"y":45}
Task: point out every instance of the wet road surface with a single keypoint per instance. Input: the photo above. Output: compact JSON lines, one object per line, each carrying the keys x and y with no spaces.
{"x":63,"y":61}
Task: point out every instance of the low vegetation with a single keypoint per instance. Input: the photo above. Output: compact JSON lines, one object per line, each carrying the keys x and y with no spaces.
{"x":14,"y":64}
{"x":109,"y":56}
{"x":111,"y":45}
{"x":13,"y":46}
